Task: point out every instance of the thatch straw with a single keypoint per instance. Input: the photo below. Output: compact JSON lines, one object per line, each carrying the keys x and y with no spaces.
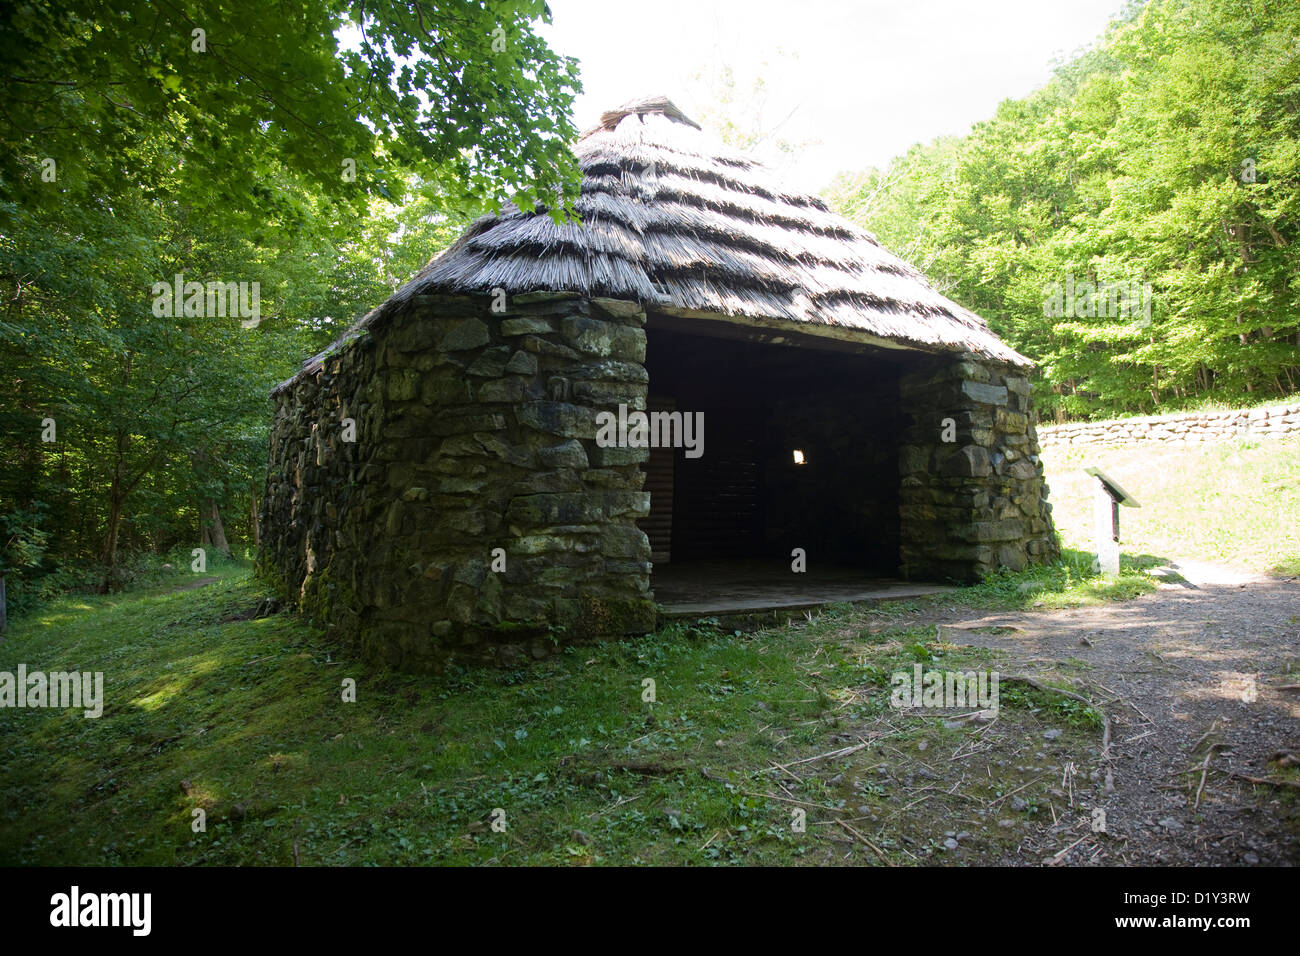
{"x":672,"y":218}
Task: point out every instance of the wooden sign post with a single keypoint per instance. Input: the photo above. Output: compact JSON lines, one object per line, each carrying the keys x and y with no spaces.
{"x":1107,"y":496}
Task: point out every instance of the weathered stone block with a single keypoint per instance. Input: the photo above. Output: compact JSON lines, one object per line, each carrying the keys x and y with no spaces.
{"x":415,"y":334}
{"x":487,"y":444}
{"x":1023,"y":469}
{"x":982,"y":531}
{"x":591,"y":336}
{"x":458,"y":422}
{"x":543,"y":510}
{"x":986,"y":394}
{"x":543,"y":347}
{"x":972,"y":461}
{"x":1012,"y":556}
{"x":491,"y":363}
{"x":532,"y":544}
{"x":618,"y":308}
{"x":559,"y":418}
{"x":466,"y":334}
{"x":403,"y":384}
{"x":614,"y":455}
{"x":511,"y":390}
{"x":610,"y":371}
{"x":526,"y":326}
{"x":619,"y":504}
{"x":625,"y":541}
{"x":522,"y":363}
{"x":568,"y":454}
{"x":1013,"y":422}
{"x":444,"y":387}
{"x":563,"y":480}
{"x":609,"y":394}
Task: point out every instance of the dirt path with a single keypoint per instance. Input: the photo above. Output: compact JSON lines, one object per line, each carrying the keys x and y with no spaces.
{"x":1191,"y":670}
{"x":191,"y":585}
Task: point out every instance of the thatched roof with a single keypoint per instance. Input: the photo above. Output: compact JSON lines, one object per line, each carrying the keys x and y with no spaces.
{"x":676,"y":220}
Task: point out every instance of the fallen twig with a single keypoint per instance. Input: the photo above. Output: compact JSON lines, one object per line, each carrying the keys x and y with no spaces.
{"x":843,"y":752}
{"x":1205,"y":769}
{"x":1266,"y":780}
{"x":1017,"y":790}
{"x":1061,"y":856}
{"x":875,"y":848}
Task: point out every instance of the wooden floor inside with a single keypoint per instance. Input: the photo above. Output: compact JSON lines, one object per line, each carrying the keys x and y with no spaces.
{"x":696,"y":588}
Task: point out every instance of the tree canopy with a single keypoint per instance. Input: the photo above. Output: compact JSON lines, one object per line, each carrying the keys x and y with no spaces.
{"x":313,"y":154}
{"x":1165,"y":159}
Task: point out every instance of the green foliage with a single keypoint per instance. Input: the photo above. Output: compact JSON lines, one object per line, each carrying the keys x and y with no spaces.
{"x":225,"y":157}
{"x":1165,"y":156}
{"x":466,"y":93}
{"x":1072,"y":712}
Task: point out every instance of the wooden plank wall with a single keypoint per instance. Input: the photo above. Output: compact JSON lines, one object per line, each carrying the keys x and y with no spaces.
{"x":658,"y":524}
{"x":719,"y":497}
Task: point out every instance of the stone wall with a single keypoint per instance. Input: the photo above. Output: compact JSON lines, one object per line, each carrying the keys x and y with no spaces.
{"x":474,"y":430}
{"x":1275,"y":420}
{"x":979,"y":501}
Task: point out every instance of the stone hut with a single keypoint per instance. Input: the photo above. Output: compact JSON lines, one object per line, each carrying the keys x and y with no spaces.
{"x":438,"y":483}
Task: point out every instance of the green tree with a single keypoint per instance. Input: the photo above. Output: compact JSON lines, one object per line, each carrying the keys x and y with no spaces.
{"x":225,"y":156}
{"x":1164,"y":156}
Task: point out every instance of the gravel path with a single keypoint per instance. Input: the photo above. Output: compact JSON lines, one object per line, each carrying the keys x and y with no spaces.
{"x":1192,"y":670}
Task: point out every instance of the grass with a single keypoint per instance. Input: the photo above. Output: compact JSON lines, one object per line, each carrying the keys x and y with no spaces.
{"x":209,"y":709}
{"x":1235,"y":503}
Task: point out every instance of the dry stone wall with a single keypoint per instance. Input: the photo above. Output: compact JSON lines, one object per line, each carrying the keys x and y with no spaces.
{"x":973,"y":496}
{"x":474,"y":430}
{"x":1276,"y":420}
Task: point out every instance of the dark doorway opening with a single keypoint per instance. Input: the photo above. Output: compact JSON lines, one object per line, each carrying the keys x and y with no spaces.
{"x":800,"y":450}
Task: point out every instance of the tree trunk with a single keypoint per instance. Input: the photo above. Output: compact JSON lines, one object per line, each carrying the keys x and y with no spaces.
{"x":215,"y":531}
{"x":116,"y":499}
{"x":110,"y":538}
{"x":253,"y":522}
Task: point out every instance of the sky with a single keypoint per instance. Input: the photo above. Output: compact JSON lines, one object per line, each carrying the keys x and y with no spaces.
{"x":853,"y":84}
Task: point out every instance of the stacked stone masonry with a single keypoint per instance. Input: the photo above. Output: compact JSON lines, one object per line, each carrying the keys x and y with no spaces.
{"x":1273,"y":421}
{"x":474,"y":431}
{"x":979,"y":501}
